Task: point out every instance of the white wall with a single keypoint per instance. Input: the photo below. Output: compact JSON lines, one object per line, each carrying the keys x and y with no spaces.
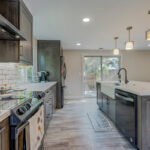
{"x":136,"y":62}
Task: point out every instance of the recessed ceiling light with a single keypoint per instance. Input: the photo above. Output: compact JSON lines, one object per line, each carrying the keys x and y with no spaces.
{"x":86,"y":19}
{"x":78,"y":44}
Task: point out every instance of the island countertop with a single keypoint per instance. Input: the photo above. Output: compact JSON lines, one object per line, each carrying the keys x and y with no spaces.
{"x":136,"y":87}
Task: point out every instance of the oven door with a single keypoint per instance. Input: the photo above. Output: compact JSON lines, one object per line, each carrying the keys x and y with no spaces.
{"x":126,"y":115}
{"x":22,"y":140}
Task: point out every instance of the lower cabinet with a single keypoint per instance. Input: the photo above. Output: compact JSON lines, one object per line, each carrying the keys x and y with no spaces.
{"x":112,"y":109}
{"x":49,"y":105}
{"x":99,"y":96}
{"x":106,"y":104}
{"x":4,"y":134}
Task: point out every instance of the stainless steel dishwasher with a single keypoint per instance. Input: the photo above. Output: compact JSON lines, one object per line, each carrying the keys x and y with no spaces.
{"x":126,"y":115}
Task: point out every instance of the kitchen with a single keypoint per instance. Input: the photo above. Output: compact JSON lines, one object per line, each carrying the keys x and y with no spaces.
{"x":73,"y":78}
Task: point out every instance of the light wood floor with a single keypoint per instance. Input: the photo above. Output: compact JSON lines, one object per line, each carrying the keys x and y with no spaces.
{"x":70,"y":129}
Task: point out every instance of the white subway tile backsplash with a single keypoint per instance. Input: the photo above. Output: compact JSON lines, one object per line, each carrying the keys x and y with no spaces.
{"x":8,"y":74}
{"x":2,"y":77}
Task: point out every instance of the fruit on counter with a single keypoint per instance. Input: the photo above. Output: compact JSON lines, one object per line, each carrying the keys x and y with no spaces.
{"x":38,"y":138}
{"x":38,"y":120}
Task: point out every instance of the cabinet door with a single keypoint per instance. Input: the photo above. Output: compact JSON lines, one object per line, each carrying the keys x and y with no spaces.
{"x":99,"y":96}
{"x":26,"y":28}
{"x":4,"y":134}
{"x":105,"y":104}
{"x":112,"y":109}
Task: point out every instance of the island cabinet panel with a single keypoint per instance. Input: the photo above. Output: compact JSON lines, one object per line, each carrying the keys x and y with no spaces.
{"x":106,"y":103}
{"x":112,"y":109}
{"x":99,"y":95}
{"x":4,"y":134}
{"x":18,"y":14}
{"x":145,"y":123}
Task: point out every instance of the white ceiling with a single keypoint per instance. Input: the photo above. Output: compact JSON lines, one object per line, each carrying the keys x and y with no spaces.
{"x":62,"y":20}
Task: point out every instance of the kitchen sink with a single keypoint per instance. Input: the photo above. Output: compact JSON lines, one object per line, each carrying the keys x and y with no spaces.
{"x":108,"y":88}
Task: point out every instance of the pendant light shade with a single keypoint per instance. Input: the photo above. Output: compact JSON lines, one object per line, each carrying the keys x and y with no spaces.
{"x":129,"y":44}
{"x":116,"y":51}
{"x":148,"y":35}
{"x":148,"y":31}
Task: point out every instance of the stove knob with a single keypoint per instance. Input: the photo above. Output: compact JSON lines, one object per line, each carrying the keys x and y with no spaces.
{"x":20,"y":111}
{"x":28,"y":105}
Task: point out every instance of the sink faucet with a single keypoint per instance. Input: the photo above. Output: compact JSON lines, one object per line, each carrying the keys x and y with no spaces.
{"x":119,"y":75}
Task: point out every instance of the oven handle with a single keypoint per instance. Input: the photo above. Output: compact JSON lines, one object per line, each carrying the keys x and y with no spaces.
{"x":17,"y":134}
{"x":22,"y":127}
{"x":129,"y":99}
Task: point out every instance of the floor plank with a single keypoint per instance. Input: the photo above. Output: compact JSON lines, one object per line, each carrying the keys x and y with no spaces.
{"x":71,"y":129}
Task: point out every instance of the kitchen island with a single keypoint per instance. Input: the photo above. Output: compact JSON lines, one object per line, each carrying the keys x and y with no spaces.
{"x":128,"y":106}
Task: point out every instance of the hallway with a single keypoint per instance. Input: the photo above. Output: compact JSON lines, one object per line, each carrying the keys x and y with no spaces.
{"x":71,"y":129}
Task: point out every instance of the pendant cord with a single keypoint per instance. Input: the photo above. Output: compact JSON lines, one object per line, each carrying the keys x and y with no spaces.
{"x":129,"y":35}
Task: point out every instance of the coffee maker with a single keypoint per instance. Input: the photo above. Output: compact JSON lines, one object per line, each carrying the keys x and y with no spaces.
{"x":43,"y":76}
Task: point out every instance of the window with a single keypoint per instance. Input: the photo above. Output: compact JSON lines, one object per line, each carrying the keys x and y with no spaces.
{"x":103,"y":68}
{"x":25,"y":73}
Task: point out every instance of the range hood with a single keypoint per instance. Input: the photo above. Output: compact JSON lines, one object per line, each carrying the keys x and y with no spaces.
{"x":8,"y":31}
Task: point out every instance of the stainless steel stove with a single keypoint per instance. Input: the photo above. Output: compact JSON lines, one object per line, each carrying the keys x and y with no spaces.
{"x":19,"y":126}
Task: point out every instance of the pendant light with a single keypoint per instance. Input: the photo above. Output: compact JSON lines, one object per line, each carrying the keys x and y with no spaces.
{"x":148,"y":31}
{"x":129,"y":44}
{"x":116,"y":51}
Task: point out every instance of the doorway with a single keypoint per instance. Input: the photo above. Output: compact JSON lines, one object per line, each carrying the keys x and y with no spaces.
{"x":102,"y":68}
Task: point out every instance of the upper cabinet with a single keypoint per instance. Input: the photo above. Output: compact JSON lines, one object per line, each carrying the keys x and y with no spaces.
{"x":17,"y":51}
{"x":26,"y":21}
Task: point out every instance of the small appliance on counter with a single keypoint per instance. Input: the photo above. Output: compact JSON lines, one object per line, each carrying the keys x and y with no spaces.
{"x":43,"y":76}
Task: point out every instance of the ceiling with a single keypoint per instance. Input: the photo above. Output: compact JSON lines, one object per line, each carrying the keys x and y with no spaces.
{"x":62,"y":20}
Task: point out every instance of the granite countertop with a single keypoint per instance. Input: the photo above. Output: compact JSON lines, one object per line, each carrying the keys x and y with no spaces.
{"x":136,"y":87}
{"x":7,"y":105}
{"x":37,"y":87}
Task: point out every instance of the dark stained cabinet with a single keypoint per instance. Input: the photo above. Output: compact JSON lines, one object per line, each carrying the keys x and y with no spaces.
{"x":26,"y":47}
{"x":4,"y":134}
{"x":18,"y":14}
{"x":49,"y":59}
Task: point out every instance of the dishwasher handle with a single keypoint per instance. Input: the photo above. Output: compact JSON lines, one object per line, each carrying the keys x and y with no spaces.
{"x":124,"y":98}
